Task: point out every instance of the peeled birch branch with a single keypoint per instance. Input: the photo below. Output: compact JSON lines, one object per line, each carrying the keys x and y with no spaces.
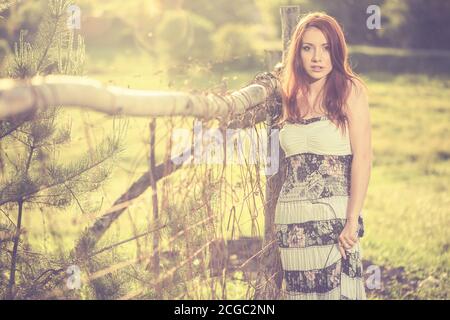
{"x":44,"y":92}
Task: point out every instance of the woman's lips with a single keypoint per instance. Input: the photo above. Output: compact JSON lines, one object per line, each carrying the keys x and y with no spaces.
{"x":316,"y":68}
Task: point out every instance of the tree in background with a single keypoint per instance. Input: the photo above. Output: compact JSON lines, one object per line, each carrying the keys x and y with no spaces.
{"x":16,"y":16}
{"x":192,"y":41}
{"x":222,"y":12}
{"x":32,"y":174}
{"x":184,"y":31}
{"x":351,"y":14}
{"x":236,"y":42}
{"x":270,"y":13}
{"x":417,"y":23}
{"x":405,"y":23}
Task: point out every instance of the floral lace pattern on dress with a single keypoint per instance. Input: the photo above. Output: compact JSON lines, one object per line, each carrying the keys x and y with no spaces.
{"x":311,"y":120}
{"x":315,"y":176}
{"x":326,"y":279}
{"x":312,"y":233}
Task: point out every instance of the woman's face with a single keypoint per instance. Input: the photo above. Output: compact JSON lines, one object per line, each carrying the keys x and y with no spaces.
{"x":315,"y":54}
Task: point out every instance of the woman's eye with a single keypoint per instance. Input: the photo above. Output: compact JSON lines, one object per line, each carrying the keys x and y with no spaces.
{"x":327,"y":48}
{"x":306,"y":48}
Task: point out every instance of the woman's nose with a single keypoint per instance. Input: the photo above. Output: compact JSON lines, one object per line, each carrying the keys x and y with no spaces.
{"x":317,"y":55}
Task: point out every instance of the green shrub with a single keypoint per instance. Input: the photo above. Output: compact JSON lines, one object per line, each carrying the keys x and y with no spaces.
{"x":234,"y":41}
{"x":182,"y":36}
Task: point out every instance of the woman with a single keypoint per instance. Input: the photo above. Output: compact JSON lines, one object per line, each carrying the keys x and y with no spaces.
{"x":326,"y":137}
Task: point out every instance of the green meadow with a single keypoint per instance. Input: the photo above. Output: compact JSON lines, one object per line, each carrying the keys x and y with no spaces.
{"x":407,"y":209}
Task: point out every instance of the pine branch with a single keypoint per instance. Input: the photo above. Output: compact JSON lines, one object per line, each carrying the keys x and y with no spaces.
{"x":21,"y":141}
{"x":50,"y":28}
{"x":75,"y":197}
{"x":12,"y":276}
{"x":8,"y":127}
{"x":12,"y":193}
{"x":13,"y":163}
{"x":7,"y":216}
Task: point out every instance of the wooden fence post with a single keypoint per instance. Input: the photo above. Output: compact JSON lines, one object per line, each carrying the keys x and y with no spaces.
{"x":270,"y":276}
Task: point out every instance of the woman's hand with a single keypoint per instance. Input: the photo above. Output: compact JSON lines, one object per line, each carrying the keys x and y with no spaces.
{"x":348,"y":237}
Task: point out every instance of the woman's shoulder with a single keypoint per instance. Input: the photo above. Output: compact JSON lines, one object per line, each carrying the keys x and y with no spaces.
{"x":357,"y":88}
{"x":357,"y":98}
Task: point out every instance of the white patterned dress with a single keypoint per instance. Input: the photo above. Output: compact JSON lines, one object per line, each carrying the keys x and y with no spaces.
{"x":311,"y":213}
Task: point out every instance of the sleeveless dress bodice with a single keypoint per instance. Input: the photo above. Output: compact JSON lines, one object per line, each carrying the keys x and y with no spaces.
{"x":315,"y":135}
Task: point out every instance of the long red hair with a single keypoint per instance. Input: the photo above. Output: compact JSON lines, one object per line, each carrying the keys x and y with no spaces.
{"x":295,"y":81}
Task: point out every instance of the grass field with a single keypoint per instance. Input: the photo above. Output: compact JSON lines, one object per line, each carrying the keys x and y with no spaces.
{"x":407,"y":206}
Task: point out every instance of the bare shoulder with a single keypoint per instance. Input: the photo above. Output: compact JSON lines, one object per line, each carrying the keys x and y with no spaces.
{"x":357,"y":101}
